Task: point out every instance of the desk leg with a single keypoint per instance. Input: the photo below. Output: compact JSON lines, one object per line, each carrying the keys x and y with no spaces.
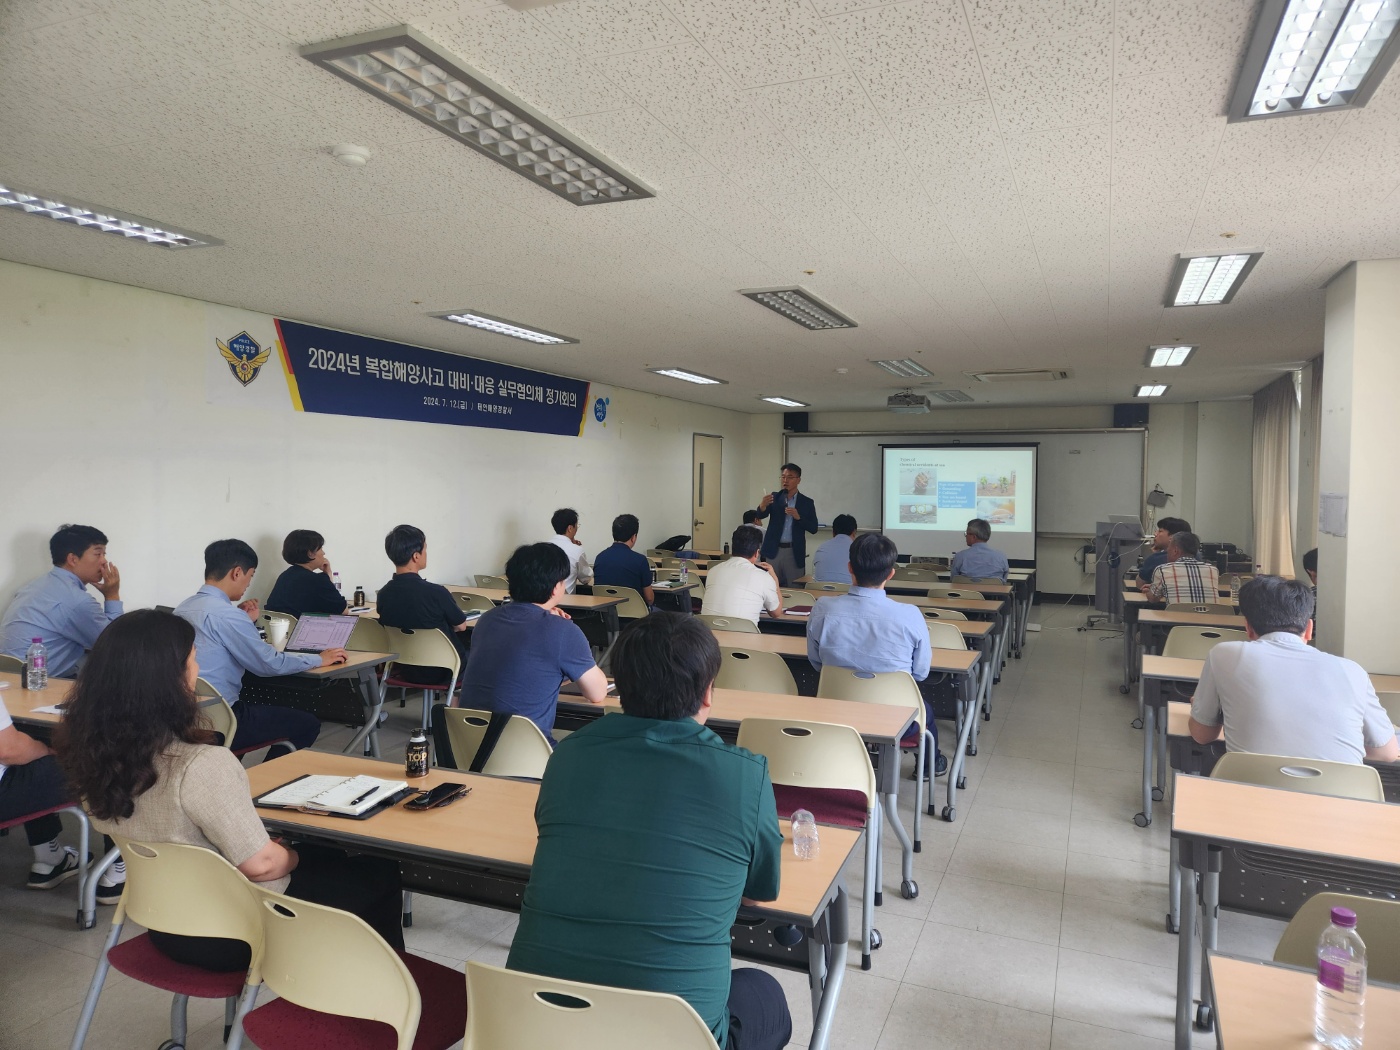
{"x":1210,"y":927}
{"x":1185,"y":956}
{"x":613,"y":623}
{"x":1149,"y":745}
{"x":908,"y":888}
{"x":967,"y":725}
{"x":826,"y":955}
{"x":372,"y":692}
{"x":1174,"y":889}
{"x":1127,"y":660}
{"x":1160,"y":792}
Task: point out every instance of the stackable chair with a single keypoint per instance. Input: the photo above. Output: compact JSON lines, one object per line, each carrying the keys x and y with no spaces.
{"x":367,"y":636}
{"x":826,"y":770}
{"x":931,"y":613}
{"x":1377,"y":918}
{"x":520,"y":751}
{"x":185,"y":890}
{"x":794,"y":597}
{"x":224,"y":722}
{"x":86,"y":914}
{"x":340,"y":985}
{"x":11,"y":664}
{"x":828,"y":588}
{"x":510,"y":1010}
{"x":728,"y":623}
{"x":1310,"y":776}
{"x":635,"y":606}
{"x":756,"y":671}
{"x":493,"y":581}
{"x":1214,"y":608}
{"x":470,"y":603}
{"x":423,"y":647}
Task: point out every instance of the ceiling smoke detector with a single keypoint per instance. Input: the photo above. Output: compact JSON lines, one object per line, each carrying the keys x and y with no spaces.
{"x":350,"y":155}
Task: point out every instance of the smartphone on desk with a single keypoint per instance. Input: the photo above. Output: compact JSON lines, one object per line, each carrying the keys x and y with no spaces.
{"x":442,"y":795}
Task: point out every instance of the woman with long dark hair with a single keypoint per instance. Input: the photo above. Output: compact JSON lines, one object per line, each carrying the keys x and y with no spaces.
{"x":146,"y":765}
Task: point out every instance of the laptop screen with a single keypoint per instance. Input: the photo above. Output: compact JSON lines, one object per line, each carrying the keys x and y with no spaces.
{"x":316,"y":632}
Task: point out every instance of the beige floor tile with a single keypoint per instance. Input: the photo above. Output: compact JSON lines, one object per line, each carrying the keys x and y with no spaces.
{"x":1114,"y":993}
{"x":1072,"y":1035}
{"x":998,"y":907}
{"x":979,"y":965}
{"x":1122,"y":840}
{"x":1011,"y":824}
{"x":999,"y":861}
{"x":1138,"y":934}
{"x":1142,"y":883}
{"x":921,"y":1018}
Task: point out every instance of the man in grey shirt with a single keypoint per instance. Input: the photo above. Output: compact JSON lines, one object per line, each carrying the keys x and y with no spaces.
{"x":1276,"y":695}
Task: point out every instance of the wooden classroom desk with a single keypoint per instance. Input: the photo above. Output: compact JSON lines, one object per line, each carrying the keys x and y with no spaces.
{"x":1265,"y":1006}
{"x":480,"y":849}
{"x":676,"y":595}
{"x":1210,"y":814}
{"x":1153,"y":626}
{"x":599,"y":603}
{"x":360,"y":666}
{"x":21,"y":703}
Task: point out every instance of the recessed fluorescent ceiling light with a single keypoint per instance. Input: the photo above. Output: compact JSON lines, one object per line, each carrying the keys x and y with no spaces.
{"x":800,"y":306}
{"x":407,"y":70}
{"x":786,"y":402}
{"x":1152,"y":390}
{"x":950,"y":395}
{"x":1168,"y":356}
{"x":1312,"y":55}
{"x":1206,"y":280}
{"x":103,"y":220}
{"x":905,"y":368}
{"x":689,"y":377}
{"x":494,"y":324}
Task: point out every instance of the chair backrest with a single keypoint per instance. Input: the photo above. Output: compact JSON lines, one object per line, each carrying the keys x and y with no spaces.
{"x":423,"y":647}
{"x":757,"y":671}
{"x":278,"y":626}
{"x":188,"y":890}
{"x":216,"y":711}
{"x":1377,"y":921}
{"x":11,"y":664}
{"x":811,"y":754}
{"x":1193,"y":643}
{"x":367,"y":636}
{"x":493,"y":581}
{"x":944,"y":635}
{"x":1391,"y":703}
{"x":1309,"y":775}
{"x":326,"y":959}
{"x":792,"y":597}
{"x":521,"y":751}
{"x":1214,"y":608}
{"x":958,"y":592}
{"x":669,"y":562}
{"x":634,"y":608}
{"x":927,"y":559}
{"x":941,"y":614}
{"x":973,"y":580}
{"x":909,"y":574}
{"x":659,"y":554}
{"x":510,"y":1010}
{"x":728,"y":623}
{"x":895,"y":688}
{"x":473,"y":602}
{"x":828,"y":588}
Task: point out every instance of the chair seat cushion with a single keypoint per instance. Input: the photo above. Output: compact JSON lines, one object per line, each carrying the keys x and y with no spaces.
{"x":141,"y":960}
{"x":430,"y":687}
{"x":911,"y":737}
{"x":840,"y":806}
{"x":280,"y":1023}
{"x":35,"y":815}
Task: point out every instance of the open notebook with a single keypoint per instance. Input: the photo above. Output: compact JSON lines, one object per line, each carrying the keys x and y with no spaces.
{"x":343,"y":796}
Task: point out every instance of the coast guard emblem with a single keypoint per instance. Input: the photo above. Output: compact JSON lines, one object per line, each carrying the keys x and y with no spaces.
{"x":245,"y":358}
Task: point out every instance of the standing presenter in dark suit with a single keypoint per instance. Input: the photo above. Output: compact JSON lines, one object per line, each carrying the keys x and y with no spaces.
{"x":791,"y":516}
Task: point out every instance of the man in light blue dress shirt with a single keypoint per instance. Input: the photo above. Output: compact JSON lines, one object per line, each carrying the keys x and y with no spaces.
{"x":979,"y":560}
{"x":226,"y":644}
{"x":831,"y":563}
{"x":867,"y":630}
{"x":57,"y":606}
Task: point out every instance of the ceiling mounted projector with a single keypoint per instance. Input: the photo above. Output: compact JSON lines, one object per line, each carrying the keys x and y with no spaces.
{"x":908,"y":403}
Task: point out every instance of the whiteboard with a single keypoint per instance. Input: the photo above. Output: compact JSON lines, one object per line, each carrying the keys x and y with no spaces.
{"x":1082,"y":476}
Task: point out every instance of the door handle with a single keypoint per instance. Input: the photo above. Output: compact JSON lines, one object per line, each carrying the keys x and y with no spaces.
{"x":694,"y":523}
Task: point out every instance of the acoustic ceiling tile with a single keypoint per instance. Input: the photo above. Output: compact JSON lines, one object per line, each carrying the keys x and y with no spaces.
{"x":764,"y":43}
{"x":609,"y":27}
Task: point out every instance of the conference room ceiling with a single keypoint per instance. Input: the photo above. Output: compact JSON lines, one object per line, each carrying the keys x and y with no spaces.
{"x":979,"y":184}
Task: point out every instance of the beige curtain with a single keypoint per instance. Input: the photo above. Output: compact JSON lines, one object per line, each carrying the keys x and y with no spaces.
{"x":1309,"y":459}
{"x":1275,"y":414}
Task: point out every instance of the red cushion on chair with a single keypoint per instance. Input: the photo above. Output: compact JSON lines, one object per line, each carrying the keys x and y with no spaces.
{"x":443,"y":1022}
{"x":399,"y":683}
{"x":35,"y":815}
{"x":910,"y":740}
{"x":840,"y":806}
{"x":141,"y":960}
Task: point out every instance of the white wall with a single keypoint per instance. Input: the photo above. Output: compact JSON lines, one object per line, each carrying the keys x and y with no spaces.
{"x":104,"y":422}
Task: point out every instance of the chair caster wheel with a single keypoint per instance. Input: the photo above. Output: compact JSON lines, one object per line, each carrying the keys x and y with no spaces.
{"x":1142,"y":820}
{"x":950,"y":813}
{"x":875,"y":940}
{"x":1137,"y":723}
{"x":909,"y":889}
{"x":1204,"y":1019}
{"x":1123,"y":689}
{"x":962,"y":783}
{"x":1172,"y":925}
{"x":1156,"y":794}
{"x":170,"y":1044}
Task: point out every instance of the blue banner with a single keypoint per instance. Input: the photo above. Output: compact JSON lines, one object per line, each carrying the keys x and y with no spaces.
{"x":355,"y":375}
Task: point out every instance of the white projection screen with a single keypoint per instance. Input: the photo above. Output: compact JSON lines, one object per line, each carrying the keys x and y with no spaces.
{"x":929,"y":492}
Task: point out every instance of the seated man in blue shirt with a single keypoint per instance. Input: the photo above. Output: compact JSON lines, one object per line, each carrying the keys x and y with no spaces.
{"x":620,"y":565}
{"x":57,"y":606}
{"x":1166,"y":529}
{"x":832,"y":561}
{"x":978,"y":560}
{"x":306,"y":586}
{"x":670,"y":828}
{"x":226,"y":645}
{"x":867,"y":630}
{"x":524,"y":650}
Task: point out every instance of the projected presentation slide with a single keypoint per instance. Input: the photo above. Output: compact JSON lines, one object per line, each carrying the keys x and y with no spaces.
{"x":929,"y":494}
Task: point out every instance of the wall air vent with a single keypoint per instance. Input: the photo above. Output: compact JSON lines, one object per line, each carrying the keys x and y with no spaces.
{"x":954,"y":396}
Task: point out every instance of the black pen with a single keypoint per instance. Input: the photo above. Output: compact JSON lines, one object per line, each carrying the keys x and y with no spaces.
{"x":367,"y":794}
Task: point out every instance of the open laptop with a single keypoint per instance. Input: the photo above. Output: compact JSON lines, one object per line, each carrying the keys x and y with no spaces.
{"x":317,"y":632}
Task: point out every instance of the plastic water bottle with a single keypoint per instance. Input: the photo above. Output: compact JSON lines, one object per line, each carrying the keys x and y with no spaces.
{"x":1341,"y":984}
{"x":335,"y":576}
{"x":36,"y":665}
{"x":685,"y":571}
{"x":1235,"y":587}
{"x":805,"y":843}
